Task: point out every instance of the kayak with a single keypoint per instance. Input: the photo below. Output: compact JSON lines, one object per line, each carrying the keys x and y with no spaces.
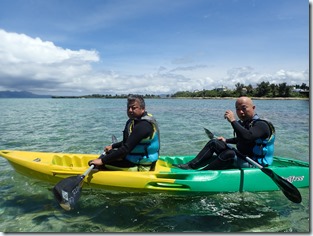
{"x":53,"y":167}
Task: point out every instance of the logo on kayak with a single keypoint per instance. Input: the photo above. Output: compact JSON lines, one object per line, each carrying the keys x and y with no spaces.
{"x":294,"y":178}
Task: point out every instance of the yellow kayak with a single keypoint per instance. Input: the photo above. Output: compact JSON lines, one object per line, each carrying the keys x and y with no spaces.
{"x":53,"y":167}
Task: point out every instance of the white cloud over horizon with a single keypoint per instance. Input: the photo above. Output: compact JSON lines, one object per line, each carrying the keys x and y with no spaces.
{"x":192,"y":45}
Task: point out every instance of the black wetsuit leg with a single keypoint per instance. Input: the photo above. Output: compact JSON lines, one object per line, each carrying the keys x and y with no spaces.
{"x":223,"y":161}
{"x":204,"y":157}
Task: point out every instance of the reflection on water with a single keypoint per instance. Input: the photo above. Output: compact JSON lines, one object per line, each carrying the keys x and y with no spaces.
{"x":115,"y":211}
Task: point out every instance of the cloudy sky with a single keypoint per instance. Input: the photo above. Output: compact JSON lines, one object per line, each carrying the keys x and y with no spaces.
{"x":79,"y":47}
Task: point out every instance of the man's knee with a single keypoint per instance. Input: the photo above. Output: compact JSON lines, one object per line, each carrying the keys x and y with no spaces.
{"x":227,"y":155}
{"x":217,"y":145}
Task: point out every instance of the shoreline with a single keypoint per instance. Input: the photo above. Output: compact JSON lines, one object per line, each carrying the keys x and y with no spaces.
{"x":253,"y":98}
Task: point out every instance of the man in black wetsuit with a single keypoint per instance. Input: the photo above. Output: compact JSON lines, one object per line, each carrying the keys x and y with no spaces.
{"x":139,"y":149}
{"x":253,"y":137}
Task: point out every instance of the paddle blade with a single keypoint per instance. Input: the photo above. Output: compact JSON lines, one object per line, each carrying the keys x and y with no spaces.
{"x":114,"y":139}
{"x":67,"y":191}
{"x":209,"y":133}
{"x":288,"y":189}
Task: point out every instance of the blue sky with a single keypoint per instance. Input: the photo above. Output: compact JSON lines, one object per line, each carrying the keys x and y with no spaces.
{"x":77,"y":47}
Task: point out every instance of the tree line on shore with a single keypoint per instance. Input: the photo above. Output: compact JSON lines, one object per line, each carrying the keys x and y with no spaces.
{"x":106,"y":96}
{"x":264,"y":89}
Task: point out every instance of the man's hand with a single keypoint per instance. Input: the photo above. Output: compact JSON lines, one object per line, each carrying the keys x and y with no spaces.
{"x":97,"y":162}
{"x":108,"y":148}
{"x":230,"y":116}
{"x":222,"y":139}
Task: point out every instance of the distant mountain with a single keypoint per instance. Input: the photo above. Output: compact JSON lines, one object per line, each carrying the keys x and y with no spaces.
{"x":21,"y":94}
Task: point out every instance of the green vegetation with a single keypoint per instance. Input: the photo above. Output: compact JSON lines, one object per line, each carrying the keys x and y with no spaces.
{"x":105,"y":96}
{"x":264,"y":89}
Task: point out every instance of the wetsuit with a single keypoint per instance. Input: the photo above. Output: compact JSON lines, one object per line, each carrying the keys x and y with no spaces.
{"x":246,"y":135}
{"x":142,"y":129}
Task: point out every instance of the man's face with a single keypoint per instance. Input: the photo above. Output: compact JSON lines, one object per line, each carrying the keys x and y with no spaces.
{"x":244,"y":110}
{"x":134,"y":110}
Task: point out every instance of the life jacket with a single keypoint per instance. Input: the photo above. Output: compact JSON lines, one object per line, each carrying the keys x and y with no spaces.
{"x":147,"y":151}
{"x":264,"y":148}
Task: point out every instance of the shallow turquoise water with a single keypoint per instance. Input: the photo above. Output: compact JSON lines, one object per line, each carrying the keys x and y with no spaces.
{"x":86,"y":126}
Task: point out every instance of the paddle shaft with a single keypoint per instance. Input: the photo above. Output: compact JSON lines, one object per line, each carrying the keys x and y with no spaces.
{"x":88,"y":170}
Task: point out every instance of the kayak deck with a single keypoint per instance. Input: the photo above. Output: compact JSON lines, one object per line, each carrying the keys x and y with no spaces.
{"x":53,"y":167}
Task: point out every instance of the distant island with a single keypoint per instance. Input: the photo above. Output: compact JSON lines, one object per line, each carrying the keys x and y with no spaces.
{"x":21,"y":94}
{"x":111,"y":96}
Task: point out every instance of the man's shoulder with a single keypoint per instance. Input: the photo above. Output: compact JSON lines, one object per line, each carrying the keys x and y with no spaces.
{"x":143,"y":123}
{"x":263,"y":122}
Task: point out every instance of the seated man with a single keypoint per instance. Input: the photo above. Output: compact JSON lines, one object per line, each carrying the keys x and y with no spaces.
{"x":140,"y":147}
{"x":253,"y":138}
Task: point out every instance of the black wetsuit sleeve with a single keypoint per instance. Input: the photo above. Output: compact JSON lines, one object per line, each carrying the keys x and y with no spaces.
{"x":246,"y":137}
{"x":117,"y":145}
{"x":141,"y":130}
{"x":260,"y":129}
{"x":231,"y":140}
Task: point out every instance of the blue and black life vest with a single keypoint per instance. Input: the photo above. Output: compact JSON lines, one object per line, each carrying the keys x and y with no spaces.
{"x":263,"y":150}
{"x":147,"y":151}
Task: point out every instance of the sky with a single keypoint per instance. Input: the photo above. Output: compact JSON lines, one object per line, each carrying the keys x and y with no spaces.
{"x":82,"y":47}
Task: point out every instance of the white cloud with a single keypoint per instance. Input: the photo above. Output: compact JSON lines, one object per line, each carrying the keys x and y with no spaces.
{"x":41,"y":67}
{"x":247,"y":75}
{"x":20,"y":48}
{"x":27,"y":62}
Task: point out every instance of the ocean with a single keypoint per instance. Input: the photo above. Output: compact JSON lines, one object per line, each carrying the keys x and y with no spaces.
{"x":86,"y":126}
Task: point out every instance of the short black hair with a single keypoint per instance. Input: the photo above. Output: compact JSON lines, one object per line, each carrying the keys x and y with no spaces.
{"x":139,"y":98}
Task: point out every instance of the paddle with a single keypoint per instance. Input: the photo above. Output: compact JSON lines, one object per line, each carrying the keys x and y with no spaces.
{"x":288,"y":189}
{"x":67,"y":191}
